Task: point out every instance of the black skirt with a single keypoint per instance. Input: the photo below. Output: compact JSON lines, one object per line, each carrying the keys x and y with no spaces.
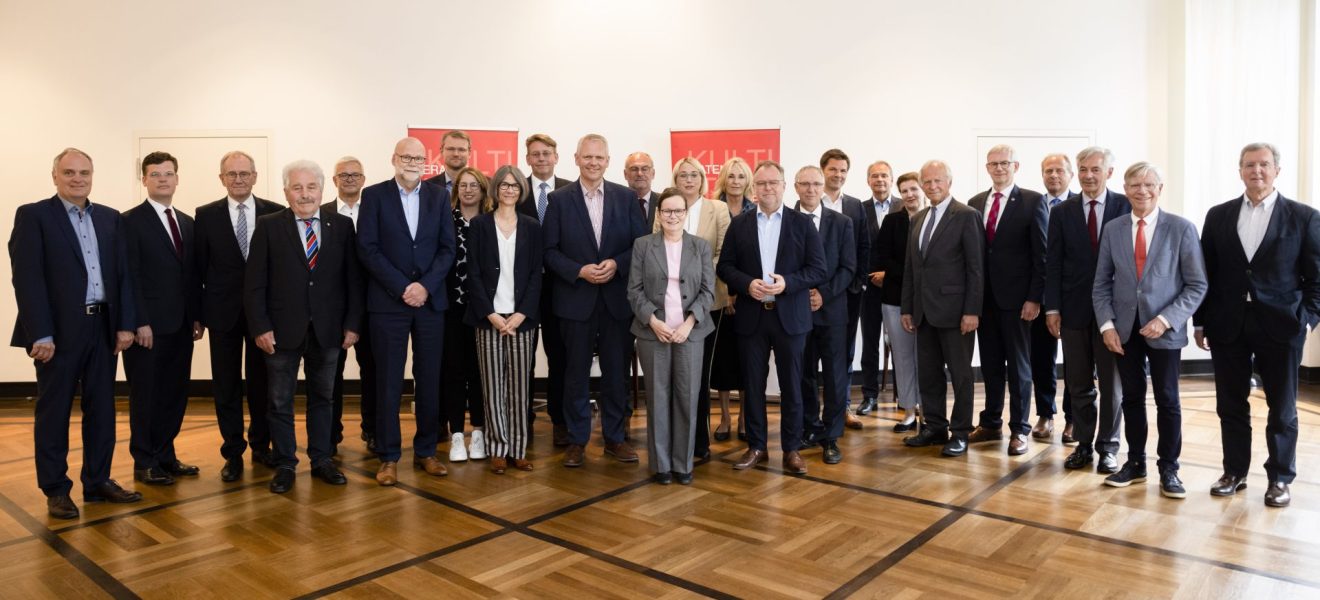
{"x":726,"y":372}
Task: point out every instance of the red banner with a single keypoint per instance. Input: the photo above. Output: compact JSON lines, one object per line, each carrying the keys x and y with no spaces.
{"x":714,"y":147}
{"x":491,"y":149}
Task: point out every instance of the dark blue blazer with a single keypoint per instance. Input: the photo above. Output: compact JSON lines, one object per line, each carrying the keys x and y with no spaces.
{"x":393,"y":259}
{"x":483,"y":261}
{"x":800,"y":260}
{"x":1070,"y":261}
{"x":220,"y":264}
{"x":1015,"y":262}
{"x":167,"y":289}
{"x":839,"y":243}
{"x":50,"y":278}
{"x":852,"y":208}
{"x":570,"y":243}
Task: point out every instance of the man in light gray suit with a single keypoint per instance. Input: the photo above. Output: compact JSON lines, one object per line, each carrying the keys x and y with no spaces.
{"x":943,"y":284}
{"x":1149,"y":280}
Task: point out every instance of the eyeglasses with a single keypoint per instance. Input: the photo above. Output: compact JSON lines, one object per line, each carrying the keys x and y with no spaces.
{"x":349,"y":176}
{"x":506,"y":185}
{"x":409,"y":159}
{"x":672,"y":212}
{"x":541,"y":154}
{"x":810,"y":184}
{"x":639,"y":169}
{"x":688,"y":175}
{"x":1002,"y":164}
{"x":469,"y":185}
{"x":239,"y":175}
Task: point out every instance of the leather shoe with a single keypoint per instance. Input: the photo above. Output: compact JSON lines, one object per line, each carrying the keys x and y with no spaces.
{"x":431,"y":465}
{"x":750,"y":459}
{"x":904,"y":427}
{"x":868,"y":405}
{"x":721,"y":436}
{"x":371,"y":444}
{"x":1017,"y":445}
{"x":109,"y":491}
{"x":61,"y":507}
{"x":152,"y":476}
{"x":832,"y":453}
{"x":263,"y":457}
{"x":283,"y":481}
{"x":328,"y":473}
{"x":810,"y":439}
{"x":522,"y":464}
{"x":178,"y":469}
{"x":663,"y":478}
{"x":981,"y":434}
{"x":1277,"y":495}
{"x":851,"y":421}
{"x":574,"y":456}
{"x":1068,"y":435}
{"x":794,"y":464}
{"x":498,"y":465}
{"x":1228,"y":485}
{"x":622,"y":452}
{"x":1044,"y":428}
{"x":926,"y":437}
{"x":955,"y":447}
{"x":1079,"y":458}
{"x":1108,"y":463}
{"x":560,"y":436}
{"x":388,"y":474}
{"x":232,"y":470}
{"x":683,"y":478}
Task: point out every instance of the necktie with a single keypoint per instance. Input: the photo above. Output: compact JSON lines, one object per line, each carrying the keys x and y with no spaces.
{"x":1093,"y":228}
{"x":174,"y":232}
{"x":1140,"y":248}
{"x":992,"y":220}
{"x":449,"y":184}
{"x":241,"y":230}
{"x":925,"y":233}
{"x":541,"y":203}
{"x":312,"y":245}
{"x":815,"y":221}
{"x":642,"y":202}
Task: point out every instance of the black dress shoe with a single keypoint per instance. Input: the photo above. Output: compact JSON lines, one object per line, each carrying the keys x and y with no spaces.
{"x":701,"y":455}
{"x":232,"y":470}
{"x":810,"y":440}
{"x":1277,"y":495}
{"x":371,"y":445}
{"x":327,"y":472}
{"x":263,"y":457}
{"x":1108,"y":463}
{"x":152,"y":476}
{"x":61,"y":507}
{"x":721,"y":436}
{"x":663,"y":478}
{"x":955,"y":447}
{"x":1079,"y":459}
{"x":178,"y":469}
{"x":283,"y":481}
{"x":832,"y":454}
{"x":902,"y":427}
{"x":109,"y":491}
{"x":683,"y":478}
{"x":1228,"y":485}
{"x":926,"y":437}
{"x":868,"y":405}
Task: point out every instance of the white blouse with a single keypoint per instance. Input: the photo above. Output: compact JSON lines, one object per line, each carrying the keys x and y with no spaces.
{"x":503,"y":302}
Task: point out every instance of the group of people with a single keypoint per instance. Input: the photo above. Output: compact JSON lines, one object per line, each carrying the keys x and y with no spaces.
{"x":700,"y":285}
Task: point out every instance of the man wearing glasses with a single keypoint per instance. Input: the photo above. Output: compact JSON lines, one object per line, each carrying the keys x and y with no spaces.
{"x":349,"y":180}
{"x":224,"y":234}
{"x":639,"y":170}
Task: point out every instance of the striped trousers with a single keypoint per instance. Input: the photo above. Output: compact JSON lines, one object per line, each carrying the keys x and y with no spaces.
{"x":506,"y":376}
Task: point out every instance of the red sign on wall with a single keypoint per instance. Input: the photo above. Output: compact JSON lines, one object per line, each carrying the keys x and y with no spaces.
{"x":491,"y":148}
{"x":714,"y":147}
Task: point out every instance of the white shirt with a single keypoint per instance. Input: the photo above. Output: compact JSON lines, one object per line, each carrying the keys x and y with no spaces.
{"x":250,"y":211}
{"x":834,"y":205}
{"x":934,"y":215}
{"x":503,"y":302}
{"x":816,"y":215}
{"x":990,"y":203}
{"x":694,"y":216}
{"x":1147,"y":235}
{"x":536,"y":186}
{"x":165,"y":221}
{"x":1253,"y":220}
{"x":302,"y":228}
{"x":348,"y":211}
{"x":1099,"y":211}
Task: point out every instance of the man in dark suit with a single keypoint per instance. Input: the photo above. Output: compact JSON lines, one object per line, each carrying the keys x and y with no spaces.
{"x":224,"y":236}
{"x":1071,"y":251}
{"x":880,"y":178}
{"x":943,"y":283}
{"x":303,"y":296}
{"x":835,"y":164}
{"x":75,"y":314}
{"x":826,"y":344}
{"x":349,"y":181}
{"x":167,"y":294}
{"x":406,"y":242}
{"x":1057,"y":173}
{"x":542,"y":156}
{"x":639,"y":171}
{"x":1262,"y":258}
{"x":772,"y":258}
{"x":1014,"y":222}
{"x":589,"y":230}
{"x":455,"y":149}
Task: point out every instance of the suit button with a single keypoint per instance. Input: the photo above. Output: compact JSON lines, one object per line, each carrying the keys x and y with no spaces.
{"x":311,"y":283}
{"x":1248,"y":272}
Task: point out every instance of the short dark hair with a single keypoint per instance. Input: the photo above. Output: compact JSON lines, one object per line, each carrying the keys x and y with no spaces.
{"x":156,"y":158}
{"x":834,"y":154}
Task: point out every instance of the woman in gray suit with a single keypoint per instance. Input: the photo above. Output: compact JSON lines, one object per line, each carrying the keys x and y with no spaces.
{"x":671,"y":287}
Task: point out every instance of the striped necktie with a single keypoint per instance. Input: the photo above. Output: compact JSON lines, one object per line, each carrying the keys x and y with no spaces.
{"x":312,"y":244}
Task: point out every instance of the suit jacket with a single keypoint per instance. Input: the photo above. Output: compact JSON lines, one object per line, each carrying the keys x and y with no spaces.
{"x":800,"y":260}
{"x":528,"y":205}
{"x":166,"y":289}
{"x":332,"y":208}
{"x":1015,"y":261}
{"x":712,"y":226}
{"x":441,"y":180}
{"x":872,"y":229}
{"x":50,"y":277}
{"x":949,"y":280}
{"x":649,"y":279}
{"x":1173,"y":279}
{"x":891,"y":254}
{"x":282,"y":294}
{"x":840,"y":245}
{"x":483,"y":265}
{"x":1283,"y":277}
{"x":1070,"y":261}
{"x":220,"y":263}
{"x":570,"y":243}
{"x":652,"y":202}
{"x":393,"y":258}
{"x":852,"y":208}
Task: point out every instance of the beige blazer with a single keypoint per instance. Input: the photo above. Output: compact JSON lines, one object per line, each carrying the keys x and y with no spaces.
{"x":648,"y":278}
{"x":712,"y":225}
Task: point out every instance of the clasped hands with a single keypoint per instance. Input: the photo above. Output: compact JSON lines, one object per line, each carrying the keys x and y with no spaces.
{"x":759,"y":289}
{"x":599,"y":273}
{"x":671,"y":336}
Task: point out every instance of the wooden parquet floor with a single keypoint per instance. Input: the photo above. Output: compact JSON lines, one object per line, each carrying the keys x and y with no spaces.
{"x":888,"y":522}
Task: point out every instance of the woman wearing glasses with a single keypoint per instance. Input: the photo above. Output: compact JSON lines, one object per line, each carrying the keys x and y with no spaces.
{"x":671,"y":287}
{"x":734,"y":189}
{"x":891,"y":251}
{"x":504,"y":296}
{"x":460,"y":379}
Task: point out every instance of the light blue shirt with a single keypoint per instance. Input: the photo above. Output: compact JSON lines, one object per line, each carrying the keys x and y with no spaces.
{"x":1051,"y":202}
{"x":882,"y":208}
{"x":767,"y":238}
{"x":412,"y":203}
{"x":81,"y":219}
{"x":302,"y":228}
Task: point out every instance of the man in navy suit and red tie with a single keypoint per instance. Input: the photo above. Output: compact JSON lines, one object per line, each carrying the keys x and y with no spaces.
{"x":1262,"y":259}
{"x":75,"y":315}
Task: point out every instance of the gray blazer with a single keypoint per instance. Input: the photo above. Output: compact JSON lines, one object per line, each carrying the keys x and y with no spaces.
{"x":1173,"y":282}
{"x":649,"y":277}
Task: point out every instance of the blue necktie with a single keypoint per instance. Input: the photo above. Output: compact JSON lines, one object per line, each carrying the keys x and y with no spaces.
{"x":541,"y":203}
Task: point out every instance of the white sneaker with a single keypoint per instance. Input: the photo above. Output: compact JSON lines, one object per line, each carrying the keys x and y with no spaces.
{"x":477,"y":447}
{"x":457,"y":451}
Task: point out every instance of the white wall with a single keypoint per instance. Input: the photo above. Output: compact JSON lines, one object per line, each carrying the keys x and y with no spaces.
{"x":902,"y":81}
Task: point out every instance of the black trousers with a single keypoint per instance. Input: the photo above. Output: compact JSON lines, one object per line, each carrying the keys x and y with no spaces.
{"x":390,"y":334}
{"x":552,"y":338}
{"x":937,"y":348}
{"x":87,"y":366}
{"x":854,"y":316}
{"x":613,"y":341}
{"x":319,"y":362}
{"x":460,"y":376}
{"x":1044,"y":373}
{"x":1091,"y":374}
{"x":367,"y":375}
{"x":825,"y":348}
{"x":1005,"y":341}
{"x":157,"y":396}
{"x":701,"y":439}
{"x":872,"y":318}
{"x":1165,"y":367}
{"x":234,"y":353}
{"x":755,"y":350}
{"x":1277,"y":363}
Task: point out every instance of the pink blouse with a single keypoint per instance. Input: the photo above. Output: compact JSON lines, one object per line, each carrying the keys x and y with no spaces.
{"x":673,"y":295}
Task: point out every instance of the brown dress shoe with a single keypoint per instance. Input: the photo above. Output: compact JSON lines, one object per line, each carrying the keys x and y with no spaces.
{"x":431,"y":465}
{"x":574,"y":455}
{"x":560,"y":436}
{"x":1017,"y":445}
{"x":1044,"y":428}
{"x":522,"y":464}
{"x":388,"y":473}
{"x":750,"y":458}
{"x":981,"y":434}
{"x":61,"y":507}
{"x":851,"y":421}
{"x":498,"y":464}
{"x":1068,"y":435}
{"x":621,"y":452}
{"x":794,"y":464}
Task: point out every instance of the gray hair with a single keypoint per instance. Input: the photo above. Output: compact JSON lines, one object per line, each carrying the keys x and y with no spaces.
{"x":594,"y":137}
{"x":1252,"y":147}
{"x":304,"y":165}
{"x":347,"y":159}
{"x":1141,"y":169}
{"x":1107,"y":157}
{"x":930,"y":164}
{"x":1067,"y":162}
{"x":236,"y":153}
{"x":55,"y":164}
{"x":503,"y":173}
{"x":1005,"y":148}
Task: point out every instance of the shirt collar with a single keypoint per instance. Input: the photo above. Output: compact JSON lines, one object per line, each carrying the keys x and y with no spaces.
{"x":417,"y":191}
{"x":1150,"y":218}
{"x":233,"y":204}
{"x":1100,"y":200}
{"x":778,"y":213}
{"x":69,"y":206}
{"x":600,"y":189}
{"x":315,"y":217}
{"x":1267,"y":203}
{"x":536,"y":184}
{"x":160,"y":208}
{"x":341,"y":205}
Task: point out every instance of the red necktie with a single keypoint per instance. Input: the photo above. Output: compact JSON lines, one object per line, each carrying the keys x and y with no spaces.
{"x":1140,"y":248}
{"x":993,"y":220}
{"x":1094,"y":228}
{"x":174,"y":233}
